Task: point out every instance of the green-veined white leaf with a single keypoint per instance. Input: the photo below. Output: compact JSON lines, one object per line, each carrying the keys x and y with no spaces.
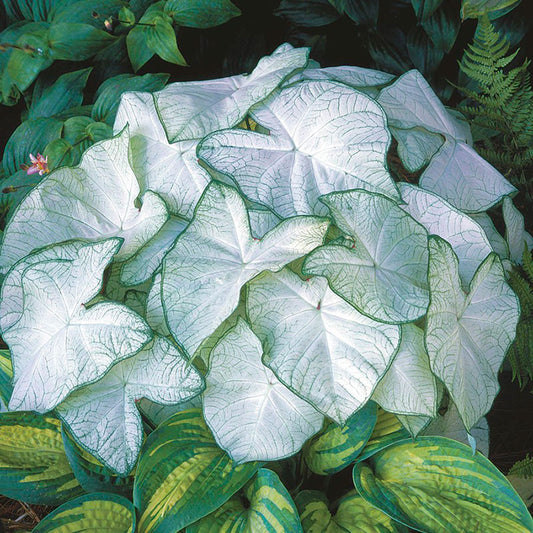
{"x":324,"y":136}
{"x":191,"y":110}
{"x":216,"y":255}
{"x":467,"y":336}
{"x":252,"y":415}
{"x":95,"y":200}
{"x":157,"y":413}
{"x":317,"y":344}
{"x":416,"y":146}
{"x":497,"y":242}
{"x":515,"y":234}
{"x":384,"y":272}
{"x":155,"y":315}
{"x":414,"y":424}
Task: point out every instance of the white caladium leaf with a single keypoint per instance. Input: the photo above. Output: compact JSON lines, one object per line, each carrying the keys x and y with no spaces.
{"x":383,"y":273}
{"x":93,"y":201}
{"x":416,"y":146}
{"x":103,"y":416}
{"x":262,"y":221}
{"x":515,"y":234}
{"x":171,"y":170}
{"x":461,"y":176}
{"x":191,"y":110}
{"x":415,"y":424}
{"x":467,"y":238}
{"x":467,"y":336}
{"x":317,"y":344}
{"x":216,"y":255}
{"x":251,"y":414}
{"x":409,"y":386}
{"x":147,"y":260}
{"x":157,"y":413}
{"x":155,"y":315}
{"x":497,"y":242}
{"x":57,"y":344}
{"x":324,"y":137}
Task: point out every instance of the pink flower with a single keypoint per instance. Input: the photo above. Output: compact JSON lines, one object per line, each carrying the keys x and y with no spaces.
{"x":39,"y":164}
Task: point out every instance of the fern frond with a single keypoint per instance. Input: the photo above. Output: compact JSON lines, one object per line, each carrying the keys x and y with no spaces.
{"x":523,"y":468}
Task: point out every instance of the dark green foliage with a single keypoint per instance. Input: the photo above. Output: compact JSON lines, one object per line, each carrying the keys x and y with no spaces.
{"x":523,"y":468}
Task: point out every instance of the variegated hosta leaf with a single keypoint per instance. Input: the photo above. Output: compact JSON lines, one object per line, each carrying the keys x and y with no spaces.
{"x":216,"y":255}
{"x":461,"y":176}
{"x":467,"y":336}
{"x":57,"y":344}
{"x":269,"y":509}
{"x":6,"y":378}
{"x":171,"y":170}
{"x":515,"y":233}
{"x":251,"y":414}
{"x":94,"y":201}
{"x":416,"y":146}
{"x":436,"y":485}
{"x":384,"y":273}
{"x":157,"y":413}
{"x":191,"y":110}
{"x":103,"y":417}
{"x":409,"y":387}
{"x":317,"y":344}
{"x":466,"y":237}
{"x":324,"y":136}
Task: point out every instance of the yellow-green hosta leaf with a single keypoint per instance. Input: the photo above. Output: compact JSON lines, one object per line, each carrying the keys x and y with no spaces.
{"x":93,"y":513}
{"x":183,"y":475}
{"x":268,"y":509}
{"x":336,"y":446}
{"x":478,"y":8}
{"x":6,"y":376}
{"x":33,"y":464}
{"x":436,"y":485}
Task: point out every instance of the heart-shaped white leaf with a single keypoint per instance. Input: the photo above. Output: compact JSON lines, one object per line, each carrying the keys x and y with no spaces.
{"x":216,"y":255}
{"x":171,"y":170}
{"x":324,"y":136}
{"x":515,"y":234}
{"x":461,"y":176}
{"x":94,"y":201}
{"x":384,"y":271}
{"x":416,"y":146}
{"x":467,"y":336}
{"x":497,"y":242}
{"x":317,"y":344}
{"x":57,"y":344}
{"x":467,"y":238}
{"x":155,"y":315}
{"x":103,"y":416}
{"x":251,"y":414}
{"x":191,"y":110}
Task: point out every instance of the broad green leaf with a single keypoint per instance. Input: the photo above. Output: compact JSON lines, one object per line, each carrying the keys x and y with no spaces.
{"x":409,"y":387}
{"x":317,"y":344}
{"x":201,"y":13}
{"x":443,"y":26}
{"x":425,"y":56}
{"x":74,"y":41}
{"x":171,"y":170}
{"x":416,"y":146}
{"x":57,"y":344}
{"x":362,"y":12}
{"x":82,"y":11}
{"x":204,"y":272}
{"x":309,"y":151}
{"x":100,"y":511}
{"x":478,"y":8}
{"x":269,"y":508}
{"x":138,"y":50}
{"x":467,"y":335}
{"x":425,"y":8}
{"x":33,"y":464}
{"x":6,"y":376}
{"x":103,"y":417}
{"x":307,"y":13}
{"x":161,"y":38}
{"x":191,"y":110}
{"x":466,"y":237}
{"x":183,"y":475}
{"x":461,"y":176}
{"x":515,"y":233}
{"x":95,"y":200}
{"x":382,"y":271}
{"x":337,"y":446}
{"x":436,"y":485}
{"x":251,"y":414}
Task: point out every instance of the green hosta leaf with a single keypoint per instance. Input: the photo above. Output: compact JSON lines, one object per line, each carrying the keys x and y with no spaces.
{"x":436,"y":485}
{"x":102,"y":416}
{"x":459,"y":175}
{"x":383,"y":274}
{"x":33,"y":464}
{"x":183,"y":475}
{"x":204,"y":272}
{"x":317,"y":344}
{"x":443,"y":26}
{"x":252,"y":415}
{"x":425,"y":56}
{"x":425,"y":8}
{"x":191,"y":110}
{"x":6,"y":376}
{"x":56,"y":343}
{"x":467,"y":336}
{"x":336,"y":446}
{"x":73,"y":41}
{"x":466,"y":237}
{"x":269,"y":509}
{"x":362,"y":12}
{"x":309,"y":151}
{"x":95,"y":200}
{"x":307,"y":13}
{"x":201,"y":13}
{"x":409,"y":387}
{"x":138,"y":51}
{"x":94,"y":512}
{"x":171,"y":170}
{"x":478,"y":8}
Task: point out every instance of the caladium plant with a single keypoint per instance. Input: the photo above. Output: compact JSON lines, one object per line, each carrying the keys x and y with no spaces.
{"x":241,"y":244}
